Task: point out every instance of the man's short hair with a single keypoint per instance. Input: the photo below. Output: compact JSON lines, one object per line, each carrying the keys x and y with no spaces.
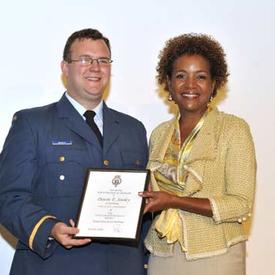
{"x":80,"y":35}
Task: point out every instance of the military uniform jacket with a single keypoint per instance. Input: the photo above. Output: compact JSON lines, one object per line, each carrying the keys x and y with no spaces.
{"x":42,"y":170}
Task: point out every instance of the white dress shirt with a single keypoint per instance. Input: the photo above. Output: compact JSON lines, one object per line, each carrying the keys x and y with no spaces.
{"x":81,"y":110}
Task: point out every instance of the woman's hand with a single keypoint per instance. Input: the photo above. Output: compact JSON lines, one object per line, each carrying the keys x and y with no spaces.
{"x":159,"y":200}
{"x":156,"y":201}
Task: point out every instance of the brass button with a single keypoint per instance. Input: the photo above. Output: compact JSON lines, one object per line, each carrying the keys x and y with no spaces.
{"x":106,"y":162}
{"x":146,"y":266}
{"x":61,"y":177}
{"x":61,"y":158}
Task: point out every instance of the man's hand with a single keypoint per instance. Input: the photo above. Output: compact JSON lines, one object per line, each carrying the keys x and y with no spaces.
{"x":63,"y":234}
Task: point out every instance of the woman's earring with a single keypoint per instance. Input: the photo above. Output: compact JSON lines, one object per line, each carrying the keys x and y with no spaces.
{"x":170,"y":97}
{"x":210,"y":100}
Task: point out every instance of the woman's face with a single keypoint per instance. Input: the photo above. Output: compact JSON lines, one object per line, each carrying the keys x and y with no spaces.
{"x":191,"y":84}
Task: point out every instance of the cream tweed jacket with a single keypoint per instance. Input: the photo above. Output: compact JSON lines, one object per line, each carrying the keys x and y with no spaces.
{"x":223,"y":162}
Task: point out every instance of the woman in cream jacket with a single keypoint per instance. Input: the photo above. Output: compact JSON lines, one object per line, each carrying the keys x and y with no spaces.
{"x":203,"y":168}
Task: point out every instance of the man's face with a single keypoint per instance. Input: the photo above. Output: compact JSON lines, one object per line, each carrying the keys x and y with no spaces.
{"x":86,"y":82}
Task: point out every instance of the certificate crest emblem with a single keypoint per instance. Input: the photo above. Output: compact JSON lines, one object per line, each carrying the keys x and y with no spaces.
{"x":116,"y":180}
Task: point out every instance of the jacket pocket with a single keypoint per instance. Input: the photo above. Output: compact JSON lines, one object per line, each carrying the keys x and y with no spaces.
{"x":62,"y":174}
{"x":133,"y":159}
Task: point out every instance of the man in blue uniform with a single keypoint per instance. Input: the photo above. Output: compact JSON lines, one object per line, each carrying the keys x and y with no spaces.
{"x":44,"y":162}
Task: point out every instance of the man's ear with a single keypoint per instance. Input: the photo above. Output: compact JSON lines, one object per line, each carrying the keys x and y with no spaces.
{"x":64,"y":68}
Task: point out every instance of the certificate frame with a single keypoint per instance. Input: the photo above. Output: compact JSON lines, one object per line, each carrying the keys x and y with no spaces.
{"x":110,"y":208}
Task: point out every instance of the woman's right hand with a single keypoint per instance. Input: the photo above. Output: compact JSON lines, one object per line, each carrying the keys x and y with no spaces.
{"x":156,"y":200}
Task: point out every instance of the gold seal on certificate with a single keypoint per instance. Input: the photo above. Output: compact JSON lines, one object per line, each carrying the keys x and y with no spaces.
{"x":111,"y":207}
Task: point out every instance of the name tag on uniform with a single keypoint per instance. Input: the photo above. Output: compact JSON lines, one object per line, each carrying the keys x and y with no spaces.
{"x":62,"y":142}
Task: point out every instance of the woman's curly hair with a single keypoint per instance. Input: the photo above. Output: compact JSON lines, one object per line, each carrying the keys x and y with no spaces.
{"x":193,"y":44}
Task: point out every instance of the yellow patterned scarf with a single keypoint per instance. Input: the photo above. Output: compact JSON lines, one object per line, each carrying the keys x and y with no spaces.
{"x":169,"y":223}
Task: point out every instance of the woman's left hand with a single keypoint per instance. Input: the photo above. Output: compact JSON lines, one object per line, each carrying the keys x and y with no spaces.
{"x":156,"y":201}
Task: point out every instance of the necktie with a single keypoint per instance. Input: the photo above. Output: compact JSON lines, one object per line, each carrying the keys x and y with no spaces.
{"x":89,"y":115}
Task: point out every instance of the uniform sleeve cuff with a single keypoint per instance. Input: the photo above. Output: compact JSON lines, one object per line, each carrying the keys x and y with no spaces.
{"x":41,"y":243}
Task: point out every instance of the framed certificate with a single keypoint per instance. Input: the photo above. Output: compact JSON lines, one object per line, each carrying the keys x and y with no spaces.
{"x":111,"y":208}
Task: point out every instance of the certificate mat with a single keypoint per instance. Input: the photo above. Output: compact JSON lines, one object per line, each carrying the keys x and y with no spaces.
{"x":111,"y":207}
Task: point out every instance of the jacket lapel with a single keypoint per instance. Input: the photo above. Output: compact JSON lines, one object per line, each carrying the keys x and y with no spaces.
{"x":111,"y":129}
{"x":74,"y":121}
{"x":205,"y":144}
{"x":161,"y":144}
